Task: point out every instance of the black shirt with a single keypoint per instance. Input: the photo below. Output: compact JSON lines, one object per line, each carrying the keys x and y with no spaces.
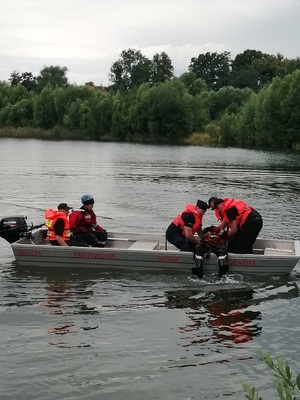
{"x":232,"y":213}
{"x":59,"y":227}
{"x":189,"y":219}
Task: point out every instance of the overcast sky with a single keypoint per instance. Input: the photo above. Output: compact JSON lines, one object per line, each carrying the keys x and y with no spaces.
{"x":87,"y":36}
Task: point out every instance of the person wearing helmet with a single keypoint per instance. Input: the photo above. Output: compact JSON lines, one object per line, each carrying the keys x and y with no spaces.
{"x":84,"y":226}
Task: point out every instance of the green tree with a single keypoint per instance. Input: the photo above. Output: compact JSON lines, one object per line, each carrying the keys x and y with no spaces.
{"x":99,"y":115}
{"x":17,"y":115}
{"x":254,"y":69}
{"x":4,"y":94}
{"x":54,"y":76}
{"x":290,"y":109}
{"x":228,"y":99}
{"x":131,"y":69}
{"x":64,"y":97}
{"x":15,"y":78}
{"x":161,"y":68}
{"x":247,"y":131}
{"x":18,"y":93}
{"x":213,"y":68}
{"x":193,"y":84}
{"x":44,"y":114}
{"x":170,"y":115}
{"x":120,"y":116}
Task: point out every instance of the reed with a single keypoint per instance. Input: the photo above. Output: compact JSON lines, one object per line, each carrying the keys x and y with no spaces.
{"x":286,"y":386}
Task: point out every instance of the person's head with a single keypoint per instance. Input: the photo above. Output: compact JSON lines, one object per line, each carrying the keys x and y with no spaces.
{"x":201,"y":206}
{"x":217,"y":204}
{"x":88,"y":201}
{"x":211,"y":202}
{"x":64,"y":208}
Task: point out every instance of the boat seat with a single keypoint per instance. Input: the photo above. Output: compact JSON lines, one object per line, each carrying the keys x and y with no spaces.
{"x":141,"y":245}
{"x":277,"y":252}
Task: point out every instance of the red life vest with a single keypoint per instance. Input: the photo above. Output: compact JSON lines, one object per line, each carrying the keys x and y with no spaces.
{"x":51,"y":217}
{"x":83,"y":221}
{"x":243,"y":211}
{"x":189,"y":208}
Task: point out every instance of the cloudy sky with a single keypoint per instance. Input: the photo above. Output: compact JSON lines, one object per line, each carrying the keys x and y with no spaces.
{"x":87,"y":36}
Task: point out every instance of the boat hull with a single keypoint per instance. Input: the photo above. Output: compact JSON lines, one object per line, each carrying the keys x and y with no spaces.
{"x":151,"y":253}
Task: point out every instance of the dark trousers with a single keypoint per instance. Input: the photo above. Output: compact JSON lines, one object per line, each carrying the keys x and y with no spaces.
{"x":243,"y":240}
{"x":174,"y":236}
{"x":93,"y":239}
{"x":218,"y":250}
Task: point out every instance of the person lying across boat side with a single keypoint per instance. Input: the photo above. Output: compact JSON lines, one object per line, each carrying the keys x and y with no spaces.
{"x":214,"y":241}
{"x":84,"y":226}
{"x":243,"y":222}
{"x":57,"y":222}
{"x":183,"y":229}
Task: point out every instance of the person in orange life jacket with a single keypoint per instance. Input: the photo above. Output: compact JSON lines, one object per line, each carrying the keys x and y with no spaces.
{"x":84,"y":226}
{"x":214,"y":241}
{"x":181,"y":232}
{"x":243,"y":221}
{"x":57,"y":222}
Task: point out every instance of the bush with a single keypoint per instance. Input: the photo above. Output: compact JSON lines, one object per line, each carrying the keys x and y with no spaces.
{"x":286,"y":387}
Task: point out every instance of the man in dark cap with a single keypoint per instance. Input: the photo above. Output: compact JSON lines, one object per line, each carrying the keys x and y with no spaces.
{"x":185,"y":230}
{"x":57,"y":222}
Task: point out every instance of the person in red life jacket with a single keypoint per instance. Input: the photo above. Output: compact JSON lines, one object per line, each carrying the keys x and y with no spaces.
{"x":243,"y":221}
{"x":183,"y":229}
{"x":214,"y":241}
{"x":57,"y":222}
{"x":84,"y":226}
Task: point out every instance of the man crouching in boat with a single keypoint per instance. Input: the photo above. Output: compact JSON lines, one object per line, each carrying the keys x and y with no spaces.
{"x":214,"y":241}
{"x":181,"y":232}
{"x":57,"y":222}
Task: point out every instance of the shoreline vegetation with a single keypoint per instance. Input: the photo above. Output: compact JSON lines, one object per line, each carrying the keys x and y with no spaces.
{"x":251,"y":101}
{"x":196,"y":139}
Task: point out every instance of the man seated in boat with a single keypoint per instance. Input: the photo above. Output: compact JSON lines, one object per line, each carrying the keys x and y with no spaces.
{"x":243,"y":221}
{"x":57,"y":222}
{"x":84,"y":226}
{"x":214,"y":241}
{"x":185,"y":231}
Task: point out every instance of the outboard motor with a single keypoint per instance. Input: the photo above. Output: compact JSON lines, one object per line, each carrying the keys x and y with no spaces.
{"x":12,"y":227}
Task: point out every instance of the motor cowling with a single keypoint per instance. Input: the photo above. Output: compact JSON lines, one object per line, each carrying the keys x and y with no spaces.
{"x":12,"y":227}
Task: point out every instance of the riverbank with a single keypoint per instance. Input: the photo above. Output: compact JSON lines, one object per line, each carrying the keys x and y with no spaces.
{"x":196,"y":139}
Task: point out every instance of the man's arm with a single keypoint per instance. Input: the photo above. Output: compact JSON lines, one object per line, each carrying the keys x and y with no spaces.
{"x":189,"y":220}
{"x":190,"y":236}
{"x":61,"y":241}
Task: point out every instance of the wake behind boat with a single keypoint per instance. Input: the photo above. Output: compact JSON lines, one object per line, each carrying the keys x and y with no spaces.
{"x":142,"y":252}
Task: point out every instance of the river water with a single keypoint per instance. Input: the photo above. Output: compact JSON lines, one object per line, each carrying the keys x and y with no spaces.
{"x":92,"y":335}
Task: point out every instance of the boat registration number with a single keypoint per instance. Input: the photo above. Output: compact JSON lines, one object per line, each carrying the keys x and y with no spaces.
{"x":31,"y":252}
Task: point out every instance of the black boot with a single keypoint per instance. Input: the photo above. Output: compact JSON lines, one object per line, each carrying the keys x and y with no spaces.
{"x":223,"y":265}
{"x":198,"y":270}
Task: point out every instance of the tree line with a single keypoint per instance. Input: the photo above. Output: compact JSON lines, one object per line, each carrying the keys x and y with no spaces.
{"x":252,"y":100}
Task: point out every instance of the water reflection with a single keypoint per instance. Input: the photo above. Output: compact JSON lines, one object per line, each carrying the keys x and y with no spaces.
{"x":221,"y":316}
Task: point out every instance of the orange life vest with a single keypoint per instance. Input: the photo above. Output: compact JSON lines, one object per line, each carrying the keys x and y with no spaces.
{"x":243,"y":211}
{"x":189,"y":208}
{"x":51,"y":217}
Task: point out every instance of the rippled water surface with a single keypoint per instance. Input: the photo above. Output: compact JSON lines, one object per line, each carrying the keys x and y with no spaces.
{"x":122,"y":335}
